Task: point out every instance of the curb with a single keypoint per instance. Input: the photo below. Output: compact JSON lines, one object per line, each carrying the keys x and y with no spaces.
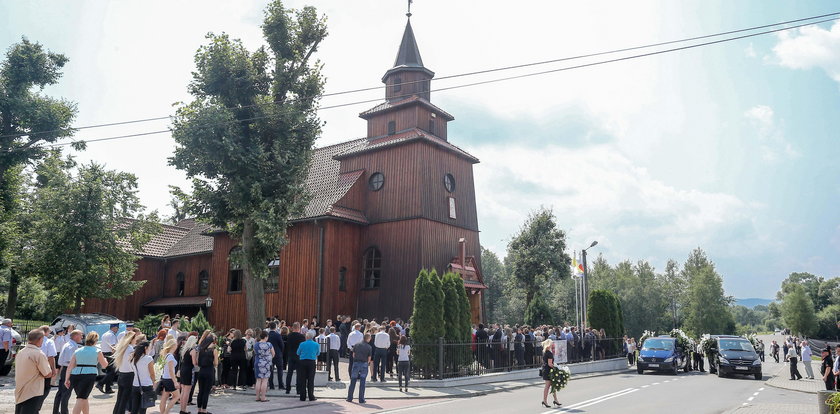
{"x":468,"y":394}
{"x":785,"y":388}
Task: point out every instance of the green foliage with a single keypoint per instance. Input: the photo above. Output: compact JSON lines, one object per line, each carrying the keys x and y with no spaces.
{"x":427,"y":319}
{"x":538,"y":312}
{"x":537,"y":253}
{"x":809,"y":282}
{"x":28,"y":119}
{"x":452,"y":329}
{"x":247,"y":137}
{"x":798,"y":311}
{"x":603,"y":311}
{"x":85,"y":230}
{"x":149,"y":324}
{"x":198,"y":324}
{"x":707,"y":308}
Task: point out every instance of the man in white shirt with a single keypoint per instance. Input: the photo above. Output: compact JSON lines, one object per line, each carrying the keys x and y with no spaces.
{"x":128,"y":326}
{"x":63,"y":395}
{"x":107,"y":344}
{"x":382,"y":341}
{"x":5,"y":340}
{"x":354,"y":338}
{"x":48,"y":348}
{"x":332,"y":355}
{"x":806,"y":360}
{"x":174,"y":329}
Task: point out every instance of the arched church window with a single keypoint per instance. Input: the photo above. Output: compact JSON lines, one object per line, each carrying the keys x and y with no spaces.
{"x":203,"y":283}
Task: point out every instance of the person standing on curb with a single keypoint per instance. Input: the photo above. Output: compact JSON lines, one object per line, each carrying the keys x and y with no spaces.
{"x":826,"y":369}
{"x":31,"y":369}
{"x":806,"y":360}
{"x":359,"y":362}
{"x":403,"y":362}
{"x":333,"y":354}
{"x":792,"y":357}
{"x":352,"y":339}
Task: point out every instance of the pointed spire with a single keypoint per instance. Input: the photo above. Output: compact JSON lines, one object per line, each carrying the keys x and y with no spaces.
{"x":409,"y":54}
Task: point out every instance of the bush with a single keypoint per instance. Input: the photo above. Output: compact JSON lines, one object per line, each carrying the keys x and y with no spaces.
{"x":198,"y":324}
{"x":604,"y":311}
{"x":538,"y":312}
{"x":427,"y":324}
{"x":149,"y":324}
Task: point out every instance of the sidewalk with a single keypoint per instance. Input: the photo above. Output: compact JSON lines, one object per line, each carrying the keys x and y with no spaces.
{"x":782,"y":380}
{"x":774,"y":409}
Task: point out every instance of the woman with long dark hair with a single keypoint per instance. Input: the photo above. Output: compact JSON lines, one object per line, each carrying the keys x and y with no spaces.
{"x":403,"y":362}
{"x":143,"y":367}
{"x":207,"y":358}
{"x":238,"y":374}
{"x":391,"y":358}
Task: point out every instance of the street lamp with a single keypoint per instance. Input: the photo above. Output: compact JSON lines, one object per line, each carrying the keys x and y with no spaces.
{"x":584,"y":289}
{"x":208,"y":302}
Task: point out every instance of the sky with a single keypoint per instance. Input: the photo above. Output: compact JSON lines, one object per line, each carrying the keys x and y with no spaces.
{"x":732,"y":147}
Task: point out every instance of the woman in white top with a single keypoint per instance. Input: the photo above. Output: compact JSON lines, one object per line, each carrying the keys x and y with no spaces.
{"x":631,"y":351}
{"x":143,"y":367}
{"x":122,"y":361}
{"x":403,"y":364}
{"x":168,"y":380}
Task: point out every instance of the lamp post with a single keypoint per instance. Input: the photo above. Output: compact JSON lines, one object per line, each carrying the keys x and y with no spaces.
{"x":585,"y":284}
{"x":208,"y":302}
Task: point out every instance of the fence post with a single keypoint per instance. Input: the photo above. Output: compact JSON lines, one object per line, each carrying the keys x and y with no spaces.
{"x":440,"y":358}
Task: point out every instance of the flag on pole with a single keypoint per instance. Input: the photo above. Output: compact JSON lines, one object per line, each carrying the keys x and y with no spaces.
{"x":577,"y":268}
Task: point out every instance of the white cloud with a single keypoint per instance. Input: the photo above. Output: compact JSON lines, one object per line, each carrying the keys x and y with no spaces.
{"x":811,"y":47}
{"x":598,"y":193}
{"x":772,"y":142}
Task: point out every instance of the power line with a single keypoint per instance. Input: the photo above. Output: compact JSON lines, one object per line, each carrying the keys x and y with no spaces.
{"x":526,"y":75}
{"x":479,"y":72}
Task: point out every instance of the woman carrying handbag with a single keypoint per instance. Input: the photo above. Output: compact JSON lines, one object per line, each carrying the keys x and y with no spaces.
{"x":143,"y":366}
{"x":555,"y":378}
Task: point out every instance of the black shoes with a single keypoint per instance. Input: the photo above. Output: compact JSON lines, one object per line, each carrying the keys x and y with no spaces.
{"x":545,"y":405}
{"x":557,"y":404}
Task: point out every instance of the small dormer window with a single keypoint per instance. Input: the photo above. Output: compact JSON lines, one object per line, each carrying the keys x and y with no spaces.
{"x":392,"y":127}
{"x":376,"y":181}
{"x":432,"y":126}
{"x":397,"y":84}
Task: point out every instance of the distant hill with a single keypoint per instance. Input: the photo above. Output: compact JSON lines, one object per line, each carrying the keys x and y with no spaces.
{"x":752,"y":302}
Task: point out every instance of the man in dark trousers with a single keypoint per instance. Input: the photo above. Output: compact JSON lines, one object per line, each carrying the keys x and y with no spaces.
{"x":276,"y":341}
{"x":344,"y":332}
{"x":774,"y":350}
{"x":481,"y":339}
{"x":519,"y":347}
{"x":496,"y":346}
{"x":293,"y":341}
{"x":827,"y":368}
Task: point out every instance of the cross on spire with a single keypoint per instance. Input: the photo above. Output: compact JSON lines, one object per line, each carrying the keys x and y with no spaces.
{"x":409,"y":8}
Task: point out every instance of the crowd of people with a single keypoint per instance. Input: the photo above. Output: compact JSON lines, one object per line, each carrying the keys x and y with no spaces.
{"x":795,"y":351}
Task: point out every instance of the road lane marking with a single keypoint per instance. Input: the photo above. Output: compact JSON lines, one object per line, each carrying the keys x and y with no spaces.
{"x":645,"y":386}
{"x":595,"y":400}
{"x":750,"y":399}
{"x":761,"y":389}
{"x":755,"y":393}
{"x":415,"y":407}
{"x":655,"y":383}
{"x":604,"y":399}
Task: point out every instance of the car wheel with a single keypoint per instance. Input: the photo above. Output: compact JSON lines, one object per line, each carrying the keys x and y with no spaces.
{"x":758,"y":376}
{"x":5,"y":369}
{"x":676,"y":370}
{"x":640,"y":371}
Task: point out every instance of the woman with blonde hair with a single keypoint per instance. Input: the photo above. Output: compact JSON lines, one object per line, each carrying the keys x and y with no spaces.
{"x":82,"y":371}
{"x":168,"y":380}
{"x":187,"y":368}
{"x":125,"y":375}
{"x":548,"y":365}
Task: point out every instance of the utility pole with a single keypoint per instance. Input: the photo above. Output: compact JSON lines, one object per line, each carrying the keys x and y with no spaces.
{"x":585,"y":284}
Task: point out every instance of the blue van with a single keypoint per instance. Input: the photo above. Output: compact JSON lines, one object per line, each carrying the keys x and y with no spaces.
{"x":661,"y":354}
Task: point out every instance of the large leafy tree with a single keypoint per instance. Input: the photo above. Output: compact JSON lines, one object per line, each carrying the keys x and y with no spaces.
{"x":798,"y":311}
{"x":247,"y":137}
{"x":28,"y":119}
{"x":495,"y":276}
{"x":707,"y":307}
{"x":86,"y":230}
{"x":538,"y":253}
{"x":810,"y":283}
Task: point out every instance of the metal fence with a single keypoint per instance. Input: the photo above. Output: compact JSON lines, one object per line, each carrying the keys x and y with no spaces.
{"x":452,"y":360}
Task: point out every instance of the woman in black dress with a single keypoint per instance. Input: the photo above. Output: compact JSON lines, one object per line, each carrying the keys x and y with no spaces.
{"x":238,"y":361}
{"x":548,"y":365}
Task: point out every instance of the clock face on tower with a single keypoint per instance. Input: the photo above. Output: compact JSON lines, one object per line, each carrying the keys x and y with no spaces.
{"x":449,"y":182}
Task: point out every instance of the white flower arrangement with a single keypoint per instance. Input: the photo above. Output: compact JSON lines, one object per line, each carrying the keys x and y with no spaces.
{"x":646,"y":335}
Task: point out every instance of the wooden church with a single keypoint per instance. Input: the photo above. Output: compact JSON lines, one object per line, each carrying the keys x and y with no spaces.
{"x":383,"y":207}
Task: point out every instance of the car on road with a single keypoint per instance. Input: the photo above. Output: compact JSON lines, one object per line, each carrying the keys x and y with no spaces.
{"x":661,"y":353}
{"x":10,"y":359}
{"x":87,"y":322}
{"x":735,"y":355}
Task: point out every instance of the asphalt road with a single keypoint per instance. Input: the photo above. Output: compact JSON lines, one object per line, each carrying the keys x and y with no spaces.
{"x":649,"y":393}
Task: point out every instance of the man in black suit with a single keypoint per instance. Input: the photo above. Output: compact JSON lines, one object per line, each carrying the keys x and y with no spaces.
{"x":294,"y":340}
{"x":481,"y":339}
{"x":496,"y":346}
{"x":344,"y":332}
{"x":276,"y":341}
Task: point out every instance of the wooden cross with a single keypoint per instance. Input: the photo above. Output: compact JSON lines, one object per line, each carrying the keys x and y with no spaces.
{"x":409,"y":8}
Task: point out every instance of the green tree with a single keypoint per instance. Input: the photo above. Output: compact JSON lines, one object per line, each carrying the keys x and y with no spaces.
{"x":675,"y":285}
{"x":538,"y":253}
{"x":538,"y":312}
{"x":28,"y":119}
{"x":810,"y":283}
{"x":427,"y":322}
{"x":798,"y":311}
{"x":246,"y":139}
{"x":86,"y":230}
{"x":827,"y":320}
{"x":452,"y":329}
{"x":604,"y":312}
{"x":198,"y":324}
{"x":707,"y":308}
{"x":495,"y":276}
